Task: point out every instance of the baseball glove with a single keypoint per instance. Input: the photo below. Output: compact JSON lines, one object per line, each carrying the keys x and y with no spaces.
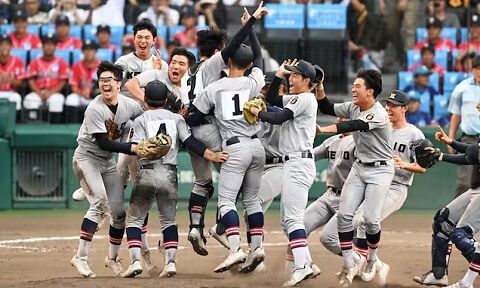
{"x":154,"y":147}
{"x":426,"y":158}
{"x":256,"y":102}
{"x":112,"y":130}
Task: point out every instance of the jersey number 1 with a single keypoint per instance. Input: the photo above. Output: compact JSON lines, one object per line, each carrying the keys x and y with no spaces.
{"x":236,"y":102}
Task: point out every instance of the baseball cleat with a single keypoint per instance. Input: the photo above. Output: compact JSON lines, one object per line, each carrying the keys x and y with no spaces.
{"x":382,"y":273}
{"x":231,"y":260}
{"x":429,"y":279}
{"x":133,"y":270}
{"x":198,"y":242}
{"x":115,"y":265}
{"x":170,"y":270}
{"x":315,"y":270}
{"x":347,"y":275}
{"x":79,"y":195}
{"x":220,"y":238}
{"x":254,"y":258}
{"x":151,"y":269}
{"x":82,"y":266}
{"x":459,"y":285}
{"x":299,"y":275}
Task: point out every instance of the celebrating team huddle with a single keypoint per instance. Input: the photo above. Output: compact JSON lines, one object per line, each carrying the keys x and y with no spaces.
{"x":226,"y":112}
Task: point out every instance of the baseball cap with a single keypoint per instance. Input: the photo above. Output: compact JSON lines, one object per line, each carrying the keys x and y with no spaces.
{"x":269,"y":76}
{"x":434,"y":22}
{"x":89,"y":44}
{"x":427,"y":48}
{"x":243,"y":55}
{"x":50,"y":37}
{"x":303,"y":67}
{"x":475,"y":20}
{"x":155,"y":92}
{"x":398,"y":97}
{"x":422,"y":70}
{"x":5,"y":38}
{"x":62,"y":20}
{"x":476,"y":62}
{"x":19,"y":15}
{"x":104,"y":28}
{"x":187,"y":12}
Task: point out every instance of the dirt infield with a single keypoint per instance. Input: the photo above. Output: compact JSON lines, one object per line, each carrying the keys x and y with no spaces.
{"x":43,"y":242}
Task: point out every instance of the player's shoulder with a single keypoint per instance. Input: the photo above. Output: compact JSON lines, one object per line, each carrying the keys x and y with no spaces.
{"x":415,"y":132}
{"x":128,"y":101}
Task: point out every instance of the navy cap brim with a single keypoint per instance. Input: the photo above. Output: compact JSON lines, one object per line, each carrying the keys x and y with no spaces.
{"x":396,"y":102}
{"x":293,"y":69}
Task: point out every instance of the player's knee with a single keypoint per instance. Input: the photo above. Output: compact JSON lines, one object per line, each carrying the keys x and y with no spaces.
{"x":32,"y":101}
{"x":371,"y":224}
{"x":252,"y":206}
{"x":55,"y":103}
{"x":442,"y":226}
{"x":72,"y":100}
{"x":330,"y":242}
{"x":463,"y":239}
{"x":344,"y":218}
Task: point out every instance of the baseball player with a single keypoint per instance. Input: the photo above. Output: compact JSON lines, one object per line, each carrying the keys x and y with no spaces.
{"x":300,"y":107}
{"x":457,"y":222}
{"x":95,"y":168}
{"x":246,"y":154}
{"x":404,"y":135}
{"x":371,"y":174}
{"x":12,"y":72}
{"x":157,"y":179}
{"x":208,"y":70}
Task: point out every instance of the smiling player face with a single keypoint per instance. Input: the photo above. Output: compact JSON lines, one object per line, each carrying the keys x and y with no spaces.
{"x":109,"y":87}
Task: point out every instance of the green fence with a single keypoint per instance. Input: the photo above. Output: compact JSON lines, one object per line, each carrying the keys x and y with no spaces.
{"x":38,"y":157}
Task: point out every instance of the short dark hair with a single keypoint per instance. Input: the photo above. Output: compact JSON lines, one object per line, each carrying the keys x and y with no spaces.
{"x":145,"y":25}
{"x":373,"y":80}
{"x":183,"y":52}
{"x":105,"y":66}
{"x":209,"y":41}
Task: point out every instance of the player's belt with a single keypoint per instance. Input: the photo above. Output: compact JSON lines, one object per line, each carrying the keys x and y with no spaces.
{"x":306,"y":154}
{"x":335,"y":190}
{"x":373,"y":164}
{"x":273,"y":160}
{"x":153,"y":165}
{"x":235,"y":140}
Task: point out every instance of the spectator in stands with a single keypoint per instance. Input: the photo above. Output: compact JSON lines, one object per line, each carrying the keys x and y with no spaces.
{"x":463,"y":100}
{"x":438,"y":9}
{"x":427,"y":54}
{"x":188,"y":37}
{"x":69,"y":9}
{"x":422,"y":90}
{"x":35,"y":16}
{"x":473,"y":44}
{"x":20,"y":37}
{"x":133,"y":8}
{"x":240,"y":2}
{"x":47,"y":76}
{"x":106,"y":12}
{"x":62,"y":30}
{"x":466,"y":63}
{"x":415,"y":115}
{"x":215,"y":13}
{"x":412,"y":12}
{"x":160,"y":14}
{"x":12,"y":73}
{"x":83,"y":83}
{"x":103,"y":36}
{"x":434,"y":29}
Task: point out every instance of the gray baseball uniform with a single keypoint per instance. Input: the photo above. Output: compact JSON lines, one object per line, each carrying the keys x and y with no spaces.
{"x":94,"y":167}
{"x":244,"y":166}
{"x":372,"y":173}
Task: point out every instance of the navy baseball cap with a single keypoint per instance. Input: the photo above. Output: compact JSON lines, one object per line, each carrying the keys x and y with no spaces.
{"x":104,"y":28}
{"x":89,"y":44}
{"x":427,"y":48}
{"x":243,"y":55}
{"x":422,"y":70}
{"x":476,"y":62}
{"x":475,"y":20}
{"x":5,"y":38}
{"x":434,"y":22}
{"x":398,"y":97}
{"x":62,"y":20}
{"x":303,"y":67}
{"x":50,"y":37}
{"x":155,"y":92}
{"x":19,"y":15}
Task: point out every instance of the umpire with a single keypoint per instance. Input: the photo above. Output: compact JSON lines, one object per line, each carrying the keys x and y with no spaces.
{"x":465,"y":97}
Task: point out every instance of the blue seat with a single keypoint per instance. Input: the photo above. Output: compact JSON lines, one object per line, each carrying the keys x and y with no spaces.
{"x":451,"y":79}
{"x":117,"y":35}
{"x":20,"y":53}
{"x":440,"y":106}
{"x":47,"y":28}
{"x":6,"y":29}
{"x":441,"y":58}
{"x":194,"y":52}
{"x":75,"y":30}
{"x":405,"y":78}
{"x":89,"y":32}
{"x":447,"y":32}
{"x":463,"y":35}
{"x":77,"y":55}
{"x":64,"y":54}
{"x":34,"y":53}
{"x":34,"y":29}
{"x":104,"y":54}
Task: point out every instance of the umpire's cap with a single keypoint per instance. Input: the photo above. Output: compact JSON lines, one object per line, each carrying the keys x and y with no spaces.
{"x":303,"y":67}
{"x":156,"y":93}
{"x":398,"y":97}
{"x":243,"y":56}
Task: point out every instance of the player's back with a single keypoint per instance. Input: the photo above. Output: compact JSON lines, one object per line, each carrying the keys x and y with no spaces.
{"x":340,"y":153}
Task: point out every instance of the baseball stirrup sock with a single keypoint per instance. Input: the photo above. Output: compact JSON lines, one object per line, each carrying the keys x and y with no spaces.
{"x":232,"y":229}
{"x":346,"y":244}
{"x":361,"y":247}
{"x":298,"y":243}
{"x":196,"y":209}
{"x":87,"y":230}
{"x":255,"y":222}
{"x":115,"y":235}
{"x":373,"y":241}
{"x":134,"y":240}
{"x":170,"y":243}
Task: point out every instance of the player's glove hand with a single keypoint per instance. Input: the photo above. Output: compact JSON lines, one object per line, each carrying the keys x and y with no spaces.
{"x":174,"y":103}
{"x":154,"y":147}
{"x":112,"y":129}
{"x":426,"y":154}
{"x":256,"y":102}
